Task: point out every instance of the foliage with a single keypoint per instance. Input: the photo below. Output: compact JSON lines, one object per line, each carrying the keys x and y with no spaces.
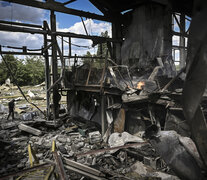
{"x":104,"y":45}
{"x":4,"y":73}
{"x":97,"y":63}
{"x":27,"y":72}
{"x":87,"y":60}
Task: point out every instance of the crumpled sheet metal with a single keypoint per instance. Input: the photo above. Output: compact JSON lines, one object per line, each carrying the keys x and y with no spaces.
{"x":120,"y":139}
{"x":168,"y":146}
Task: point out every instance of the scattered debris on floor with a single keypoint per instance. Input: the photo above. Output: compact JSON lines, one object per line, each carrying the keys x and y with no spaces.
{"x":147,"y":137}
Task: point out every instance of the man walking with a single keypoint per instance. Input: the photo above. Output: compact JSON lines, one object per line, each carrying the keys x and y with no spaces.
{"x":11,"y":109}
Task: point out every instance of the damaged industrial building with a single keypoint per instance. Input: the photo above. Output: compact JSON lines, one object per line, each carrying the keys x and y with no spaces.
{"x":135,"y":111}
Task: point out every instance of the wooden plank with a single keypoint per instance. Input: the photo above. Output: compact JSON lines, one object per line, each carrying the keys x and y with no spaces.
{"x":64,"y":34}
{"x":59,"y":7}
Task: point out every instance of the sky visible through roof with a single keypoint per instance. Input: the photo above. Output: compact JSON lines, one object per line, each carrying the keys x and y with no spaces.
{"x":66,"y":23}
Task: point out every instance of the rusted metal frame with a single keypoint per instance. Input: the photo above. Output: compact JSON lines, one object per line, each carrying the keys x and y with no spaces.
{"x":103,"y":113}
{"x":182,"y":40}
{"x":152,"y":114}
{"x":103,"y":98}
{"x":62,"y":45}
{"x":47,"y":69}
{"x":83,"y":167}
{"x":87,"y":174}
{"x":84,"y":25}
{"x":69,"y":44}
{"x":89,"y":73}
{"x":173,"y":80}
{"x":65,"y":34}
{"x":110,"y":49}
{"x":111,"y":149}
{"x":96,"y":89}
{"x":117,"y":33}
{"x":23,"y":48}
{"x":113,"y":75}
{"x":104,"y":70}
{"x":21,"y":53}
{"x":124,"y":66}
{"x":62,"y":69}
{"x":79,"y":57}
{"x":21,"y":24}
{"x":87,"y":57}
{"x":68,"y":2}
{"x":60,"y":166}
{"x":179,"y":47}
{"x":6,"y":177}
{"x":180,"y":34}
{"x":75,"y":69}
{"x":4,"y":27}
{"x":59,"y":7}
{"x":54,"y":66}
{"x":176,"y":19}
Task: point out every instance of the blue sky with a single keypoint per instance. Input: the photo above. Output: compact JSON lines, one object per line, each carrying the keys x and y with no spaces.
{"x":68,"y":20}
{"x":65,"y":22}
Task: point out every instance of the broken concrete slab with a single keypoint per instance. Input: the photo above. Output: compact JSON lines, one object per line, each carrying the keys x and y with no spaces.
{"x":8,"y":125}
{"x":30,"y":130}
{"x":142,"y":171}
{"x":3,"y":109}
{"x":95,"y":137}
{"x":120,"y":139}
{"x":168,"y":146}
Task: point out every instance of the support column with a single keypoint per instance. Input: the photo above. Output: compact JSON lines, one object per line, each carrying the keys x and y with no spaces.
{"x":103,"y":114}
{"x":167,"y":32}
{"x":116,"y":33}
{"x":54,"y":66}
{"x":182,"y":41}
{"x":47,"y":71}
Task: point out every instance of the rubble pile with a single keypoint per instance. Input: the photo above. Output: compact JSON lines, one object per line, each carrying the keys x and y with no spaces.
{"x":80,"y":142}
{"x":146,"y":137}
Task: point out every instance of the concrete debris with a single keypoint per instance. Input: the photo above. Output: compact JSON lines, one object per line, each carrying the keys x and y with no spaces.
{"x":8,"y":125}
{"x":146,"y":135}
{"x":139,"y":170}
{"x":2,"y":109}
{"x":95,"y":137}
{"x":120,"y":139}
{"x":29,"y":129}
{"x":30,"y":94}
{"x":28,"y":116}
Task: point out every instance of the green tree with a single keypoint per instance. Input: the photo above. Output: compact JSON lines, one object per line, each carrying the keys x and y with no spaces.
{"x":35,"y":70}
{"x":104,"y":45}
{"x":4,"y":72}
{"x":87,"y":60}
{"x":30,"y":71}
{"x":22,"y":74}
{"x":97,"y":63}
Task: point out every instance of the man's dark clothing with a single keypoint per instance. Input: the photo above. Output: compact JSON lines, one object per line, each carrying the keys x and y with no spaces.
{"x":11,"y":109}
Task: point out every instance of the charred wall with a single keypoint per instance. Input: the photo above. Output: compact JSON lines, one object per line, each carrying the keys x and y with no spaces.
{"x":147,"y":36}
